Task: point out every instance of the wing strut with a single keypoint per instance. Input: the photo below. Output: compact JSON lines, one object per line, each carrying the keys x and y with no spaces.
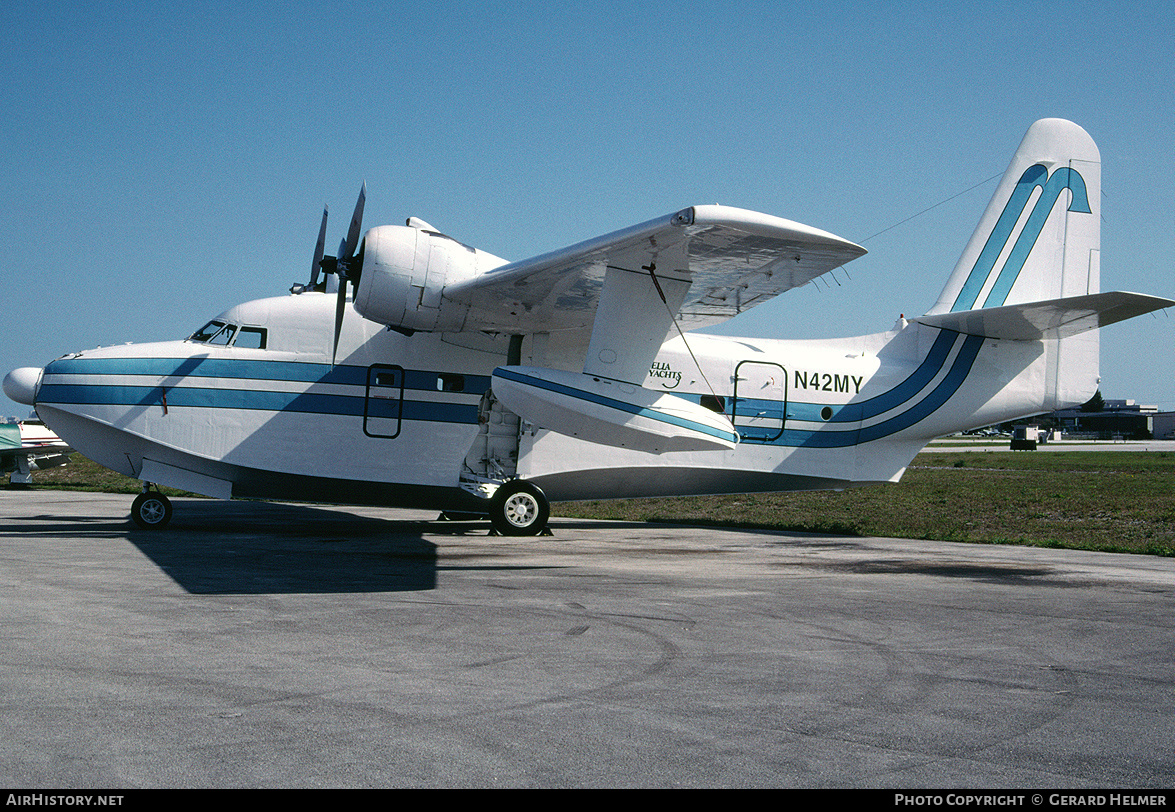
{"x":652,"y":269}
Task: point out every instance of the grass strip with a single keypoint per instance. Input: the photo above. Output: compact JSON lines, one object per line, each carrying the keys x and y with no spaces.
{"x":1106,"y":501}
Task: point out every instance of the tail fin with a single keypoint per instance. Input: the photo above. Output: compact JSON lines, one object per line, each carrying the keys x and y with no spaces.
{"x":1031,"y":273}
{"x":1040,"y":237}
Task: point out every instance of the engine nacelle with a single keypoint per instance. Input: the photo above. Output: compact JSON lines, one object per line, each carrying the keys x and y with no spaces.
{"x":405,"y":271}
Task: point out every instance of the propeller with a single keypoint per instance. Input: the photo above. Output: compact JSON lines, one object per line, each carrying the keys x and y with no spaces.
{"x":347,"y":265}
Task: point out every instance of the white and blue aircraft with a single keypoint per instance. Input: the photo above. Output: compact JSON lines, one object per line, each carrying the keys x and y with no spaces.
{"x":452,"y":379}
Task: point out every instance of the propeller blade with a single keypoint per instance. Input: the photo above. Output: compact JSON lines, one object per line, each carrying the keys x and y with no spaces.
{"x":352,"y":241}
{"x":318,"y":249}
{"x":347,"y":267}
{"x":340,"y":306}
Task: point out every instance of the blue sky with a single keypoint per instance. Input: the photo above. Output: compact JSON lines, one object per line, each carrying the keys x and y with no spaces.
{"x":164,"y":161}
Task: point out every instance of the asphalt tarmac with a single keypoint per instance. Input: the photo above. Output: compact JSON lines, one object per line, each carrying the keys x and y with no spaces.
{"x":261,"y":645}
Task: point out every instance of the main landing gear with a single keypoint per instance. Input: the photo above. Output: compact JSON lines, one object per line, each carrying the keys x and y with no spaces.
{"x":519,"y":508}
{"x":151,"y":510}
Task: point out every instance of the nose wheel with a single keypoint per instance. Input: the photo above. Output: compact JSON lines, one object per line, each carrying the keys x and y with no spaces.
{"x":151,"y":510}
{"x":519,"y":509}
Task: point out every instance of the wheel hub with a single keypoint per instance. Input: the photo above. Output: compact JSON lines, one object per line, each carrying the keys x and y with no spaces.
{"x":521,"y":509}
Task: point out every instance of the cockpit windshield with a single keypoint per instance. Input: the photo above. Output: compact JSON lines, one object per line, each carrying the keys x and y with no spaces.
{"x":206,"y":332}
{"x":223,"y":334}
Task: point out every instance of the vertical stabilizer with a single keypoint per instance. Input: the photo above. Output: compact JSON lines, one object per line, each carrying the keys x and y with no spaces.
{"x":1040,"y":240}
{"x":1040,"y":236}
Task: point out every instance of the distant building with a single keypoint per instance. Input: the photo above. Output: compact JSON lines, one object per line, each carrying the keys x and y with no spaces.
{"x":1120,"y":419}
{"x":1163,"y":426}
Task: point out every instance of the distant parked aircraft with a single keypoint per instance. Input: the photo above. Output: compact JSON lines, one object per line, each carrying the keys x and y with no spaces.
{"x":27,"y":446}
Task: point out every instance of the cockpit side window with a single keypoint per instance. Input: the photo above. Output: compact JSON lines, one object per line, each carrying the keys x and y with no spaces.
{"x":251,"y":338}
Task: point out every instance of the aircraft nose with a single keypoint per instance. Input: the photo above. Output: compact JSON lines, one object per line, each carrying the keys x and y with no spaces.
{"x":21,"y":385}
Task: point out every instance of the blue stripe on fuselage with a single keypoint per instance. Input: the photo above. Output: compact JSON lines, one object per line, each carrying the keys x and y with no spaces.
{"x":255,"y":400}
{"x":424,"y":381}
{"x":904,"y":391}
{"x":173,"y":370}
{"x":248,"y":369}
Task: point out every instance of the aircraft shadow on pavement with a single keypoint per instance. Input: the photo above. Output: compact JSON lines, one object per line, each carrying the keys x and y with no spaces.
{"x":245,"y":547}
{"x":215,"y":547}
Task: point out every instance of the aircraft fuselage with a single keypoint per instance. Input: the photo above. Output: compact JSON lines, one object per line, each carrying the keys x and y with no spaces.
{"x":398,"y":419}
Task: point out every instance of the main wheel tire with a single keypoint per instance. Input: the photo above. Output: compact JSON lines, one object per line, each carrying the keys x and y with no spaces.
{"x":151,"y":510}
{"x":519,"y":509}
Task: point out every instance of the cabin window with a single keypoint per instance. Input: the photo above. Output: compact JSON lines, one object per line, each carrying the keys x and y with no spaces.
{"x":251,"y":338}
{"x":714,"y":403}
{"x":448,"y":382}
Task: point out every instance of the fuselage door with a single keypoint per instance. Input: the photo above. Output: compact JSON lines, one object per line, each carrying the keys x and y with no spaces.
{"x":384,"y":401}
{"x":760,"y":401}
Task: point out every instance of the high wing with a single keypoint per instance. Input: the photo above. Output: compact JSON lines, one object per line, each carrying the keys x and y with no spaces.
{"x":727,"y":259}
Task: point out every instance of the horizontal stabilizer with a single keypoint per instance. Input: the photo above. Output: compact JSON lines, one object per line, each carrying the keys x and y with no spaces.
{"x":1056,"y":318}
{"x":610,"y":412}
